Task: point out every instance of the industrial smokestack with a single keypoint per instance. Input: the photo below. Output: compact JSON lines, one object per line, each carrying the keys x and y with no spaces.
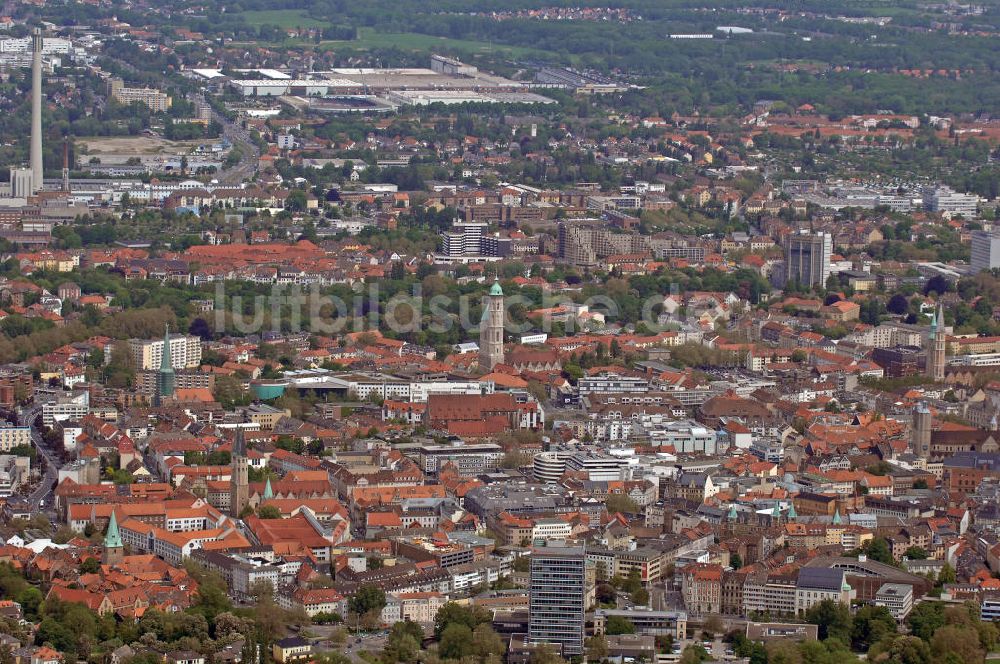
{"x":37,"y":172}
{"x":65,"y":173}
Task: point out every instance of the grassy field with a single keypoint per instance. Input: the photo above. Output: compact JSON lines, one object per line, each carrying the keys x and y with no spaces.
{"x":283,"y":18}
{"x":412,"y":41}
{"x":368,"y":38}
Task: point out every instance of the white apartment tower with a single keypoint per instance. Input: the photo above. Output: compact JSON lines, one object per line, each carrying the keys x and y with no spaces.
{"x":185,"y":352}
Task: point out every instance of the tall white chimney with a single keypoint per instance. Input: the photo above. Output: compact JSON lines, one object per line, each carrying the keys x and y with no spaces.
{"x":37,"y":173}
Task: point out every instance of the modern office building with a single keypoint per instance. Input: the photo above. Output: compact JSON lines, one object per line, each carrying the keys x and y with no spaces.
{"x":557,"y":598}
{"x":985,"y":251}
{"x":896,"y":597}
{"x":599,"y":467}
{"x":608,"y":382}
{"x":948,"y":201}
{"x":990,"y":608}
{"x":471,"y":459}
{"x":807,"y":258}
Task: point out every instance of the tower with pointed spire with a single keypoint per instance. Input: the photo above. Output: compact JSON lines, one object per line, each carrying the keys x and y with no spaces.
{"x":491,"y":329}
{"x":165,"y":378}
{"x":114,"y":550}
{"x":935,"y":347}
{"x":239,"y":476}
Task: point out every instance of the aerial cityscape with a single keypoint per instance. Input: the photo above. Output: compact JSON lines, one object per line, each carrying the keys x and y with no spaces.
{"x":499,"y":332}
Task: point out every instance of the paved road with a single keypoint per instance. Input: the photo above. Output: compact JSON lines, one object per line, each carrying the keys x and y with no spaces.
{"x":45,"y":487}
{"x":354,"y":645}
{"x":237,"y":136}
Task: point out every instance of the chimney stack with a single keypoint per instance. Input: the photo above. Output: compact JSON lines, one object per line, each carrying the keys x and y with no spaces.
{"x":65,"y":173}
{"x":37,"y":173}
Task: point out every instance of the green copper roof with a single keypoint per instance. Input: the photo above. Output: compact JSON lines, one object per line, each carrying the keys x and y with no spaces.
{"x":113,"y":539}
{"x":268,"y":491}
{"x":777,"y":509}
{"x":791,"y":512}
{"x":496,"y":291}
{"x":836,"y":518}
{"x":732,"y":512}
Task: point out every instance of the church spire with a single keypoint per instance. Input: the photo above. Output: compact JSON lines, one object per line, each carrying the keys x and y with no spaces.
{"x":240,"y":443}
{"x":239,"y":475}
{"x":165,"y":361}
{"x":165,"y":379}
{"x":114,"y":550}
{"x":113,"y":537}
{"x":936,"y":343}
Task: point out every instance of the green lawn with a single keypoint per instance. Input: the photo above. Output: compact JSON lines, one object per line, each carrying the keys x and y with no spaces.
{"x":283,"y":18}
{"x":368,"y":38}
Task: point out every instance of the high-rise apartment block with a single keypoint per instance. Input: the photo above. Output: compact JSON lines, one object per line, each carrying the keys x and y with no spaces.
{"x":557,"y":598}
{"x":157,"y":101}
{"x":147,"y":354}
{"x":582,"y":243}
{"x":470,"y":238}
{"x":807,"y":258}
{"x":985,"y":251}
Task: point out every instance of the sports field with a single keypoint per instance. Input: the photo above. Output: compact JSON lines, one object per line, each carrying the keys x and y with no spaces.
{"x":283,"y":18}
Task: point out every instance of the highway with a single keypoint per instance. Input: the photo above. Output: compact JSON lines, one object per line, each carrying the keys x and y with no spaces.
{"x":237,"y":136}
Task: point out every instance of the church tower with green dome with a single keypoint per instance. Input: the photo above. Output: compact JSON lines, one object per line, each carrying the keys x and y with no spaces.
{"x":491,"y":329}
